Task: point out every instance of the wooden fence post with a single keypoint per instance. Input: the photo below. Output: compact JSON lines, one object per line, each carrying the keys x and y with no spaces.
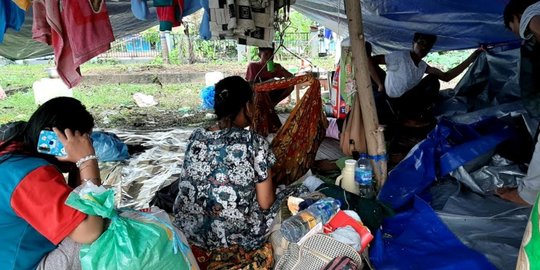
{"x":374,"y":133}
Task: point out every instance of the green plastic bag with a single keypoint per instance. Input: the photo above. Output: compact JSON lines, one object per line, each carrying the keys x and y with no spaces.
{"x":529,"y":255}
{"x":142,"y":243}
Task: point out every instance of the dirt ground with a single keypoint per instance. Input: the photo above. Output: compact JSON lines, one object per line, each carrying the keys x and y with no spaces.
{"x":133,"y":117}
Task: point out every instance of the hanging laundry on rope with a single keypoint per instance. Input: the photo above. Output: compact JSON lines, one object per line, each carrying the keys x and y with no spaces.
{"x":163,"y":3}
{"x":77,"y":34}
{"x":11,"y":16}
{"x":239,"y":20}
{"x":297,"y":141}
{"x":139,"y":8}
{"x":23,"y":4}
{"x":169,"y":15}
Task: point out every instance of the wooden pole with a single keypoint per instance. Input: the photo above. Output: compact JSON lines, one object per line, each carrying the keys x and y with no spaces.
{"x":374,"y":133}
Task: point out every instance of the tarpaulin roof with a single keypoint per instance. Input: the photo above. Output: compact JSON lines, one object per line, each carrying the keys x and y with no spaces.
{"x":390,"y":24}
{"x":19,"y":45}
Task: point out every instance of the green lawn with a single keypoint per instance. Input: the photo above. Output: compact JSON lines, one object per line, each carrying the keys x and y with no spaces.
{"x":115,"y":101}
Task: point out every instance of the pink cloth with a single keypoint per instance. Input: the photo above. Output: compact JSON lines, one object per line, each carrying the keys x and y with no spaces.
{"x":77,"y":33}
{"x":88,"y":28}
{"x":48,"y":28}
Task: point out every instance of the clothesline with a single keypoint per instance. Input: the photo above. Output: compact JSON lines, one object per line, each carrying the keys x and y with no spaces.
{"x":76,"y":39}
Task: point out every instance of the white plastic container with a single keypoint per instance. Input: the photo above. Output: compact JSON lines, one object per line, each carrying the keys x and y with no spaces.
{"x":211,"y":78}
{"x":48,"y":88}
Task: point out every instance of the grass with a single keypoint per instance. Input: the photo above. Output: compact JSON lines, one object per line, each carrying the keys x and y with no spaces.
{"x":115,"y":103}
{"x":17,"y":107}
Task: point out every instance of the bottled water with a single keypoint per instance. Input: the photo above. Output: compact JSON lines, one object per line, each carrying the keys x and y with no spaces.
{"x":295,"y":227}
{"x":363,"y":175}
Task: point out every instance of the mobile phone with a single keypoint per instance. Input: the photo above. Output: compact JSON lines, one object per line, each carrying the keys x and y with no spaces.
{"x":48,"y":143}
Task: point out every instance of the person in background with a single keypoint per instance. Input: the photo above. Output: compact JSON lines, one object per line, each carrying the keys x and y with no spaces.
{"x":226,"y":195}
{"x":410,"y":93}
{"x":39,"y":230}
{"x":266,"y":70}
{"x":523,"y":18}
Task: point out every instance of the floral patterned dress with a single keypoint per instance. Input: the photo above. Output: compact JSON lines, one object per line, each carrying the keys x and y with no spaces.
{"x":216,"y":206}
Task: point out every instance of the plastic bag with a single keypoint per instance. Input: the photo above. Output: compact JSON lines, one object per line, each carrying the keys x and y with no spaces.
{"x":109,"y":147}
{"x":207,"y":97}
{"x":127,"y":243}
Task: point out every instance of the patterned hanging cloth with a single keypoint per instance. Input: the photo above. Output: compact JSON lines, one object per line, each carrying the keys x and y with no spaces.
{"x":297,"y":141}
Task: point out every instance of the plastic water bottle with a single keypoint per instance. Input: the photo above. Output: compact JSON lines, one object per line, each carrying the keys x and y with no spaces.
{"x":363,"y":175}
{"x":295,"y":227}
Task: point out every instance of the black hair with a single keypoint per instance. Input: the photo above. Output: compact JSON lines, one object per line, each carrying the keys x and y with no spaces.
{"x":231,"y":95}
{"x":60,"y":112}
{"x":431,"y":39}
{"x":515,"y":8}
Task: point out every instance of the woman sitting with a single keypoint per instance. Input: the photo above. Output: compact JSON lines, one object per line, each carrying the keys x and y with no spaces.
{"x":225,"y":190}
{"x":39,"y":230}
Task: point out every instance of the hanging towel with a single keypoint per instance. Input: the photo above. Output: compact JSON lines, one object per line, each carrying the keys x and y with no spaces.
{"x":170,"y":16}
{"x":140,"y":9}
{"x":48,"y":28}
{"x":89,"y":28}
{"x":11,"y":16}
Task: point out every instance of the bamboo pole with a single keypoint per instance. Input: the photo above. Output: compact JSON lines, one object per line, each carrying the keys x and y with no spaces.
{"x":374,"y":133}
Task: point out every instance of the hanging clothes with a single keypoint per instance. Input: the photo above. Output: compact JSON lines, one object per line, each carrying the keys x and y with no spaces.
{"x":240,"y":20}
{"x":23,"y":4}
{"x":139,"y":8}
{"x":204,"y":29}
{"x":297,"y":141}
{"x":11,"y":16}
{"x":89,"y":29}
{"x":77,"y":30}
{"x":48,"y":29}
{"x":169,"y":15}
{"x":163,"y":3}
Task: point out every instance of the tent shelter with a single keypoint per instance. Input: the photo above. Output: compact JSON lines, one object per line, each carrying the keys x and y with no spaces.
{"x":389,"y":25}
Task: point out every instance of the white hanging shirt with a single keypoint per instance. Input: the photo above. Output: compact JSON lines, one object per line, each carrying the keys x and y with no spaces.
{"x":401,"y":73}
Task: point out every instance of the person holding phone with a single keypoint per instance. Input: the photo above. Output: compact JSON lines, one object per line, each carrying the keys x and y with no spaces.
{"x":44,"y":233}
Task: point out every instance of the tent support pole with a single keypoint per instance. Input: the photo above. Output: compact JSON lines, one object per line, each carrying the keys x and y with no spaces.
{"x":374,"y":133}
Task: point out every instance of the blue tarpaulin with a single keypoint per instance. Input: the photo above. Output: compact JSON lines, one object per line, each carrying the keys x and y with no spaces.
{"x":389,"y":24}
{"x":417,"y":239}
{"x":447,"y":147}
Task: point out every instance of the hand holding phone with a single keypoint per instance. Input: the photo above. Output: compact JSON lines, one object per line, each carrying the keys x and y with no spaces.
{"x":50,"y":144}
